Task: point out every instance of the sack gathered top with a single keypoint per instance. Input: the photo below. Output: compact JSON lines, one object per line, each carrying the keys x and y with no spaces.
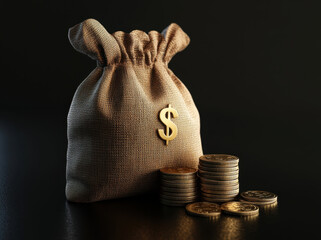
{"x":131,"y":116}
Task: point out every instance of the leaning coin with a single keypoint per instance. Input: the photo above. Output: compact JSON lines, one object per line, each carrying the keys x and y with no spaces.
{"x":258,"y":196}
{"x":179,"y":189}
{"x":219,"y":159}
{"x":216,"y":182}
{"x":178,"y":171}
{"x":219,"y":169}
{"x":219,"y":192}
{"x":219,"y":187}
{"x":233,"y":173}
{"x":218,"y":200}
{"x":258,"y":203}
{"x":203,"y":209}
{"x":239,"y":208}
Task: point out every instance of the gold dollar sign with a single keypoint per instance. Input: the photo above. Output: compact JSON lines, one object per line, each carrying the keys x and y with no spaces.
{"x":165,"y":117}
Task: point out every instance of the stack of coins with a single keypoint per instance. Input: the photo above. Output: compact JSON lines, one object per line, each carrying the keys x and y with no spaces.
{"x":260,"y":198}
{"x":178,"y":186}
{"x":218,"y":174}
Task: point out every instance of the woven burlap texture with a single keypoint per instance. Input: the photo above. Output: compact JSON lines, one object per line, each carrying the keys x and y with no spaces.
{"x":114,"y":149}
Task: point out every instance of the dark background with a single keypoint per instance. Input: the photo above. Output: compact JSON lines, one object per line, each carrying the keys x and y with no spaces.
{"x":253,"y":69}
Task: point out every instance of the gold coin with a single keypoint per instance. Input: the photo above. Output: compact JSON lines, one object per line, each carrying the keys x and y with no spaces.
{"x":218,"y":200}
{"x":190,"y":198}
{"x":219,"y":159}
{"x":178,"y":171}
{"x":258,"y":196}
{"x":179,"y":189}
{"x":220,"y":196}
{"x":239,"y":208}
{"x":216,"y":182}
{"x":220,"y":187}
{"x":207,"y":173}
{"x":203,"y":209}
{"x":179,"y":181}
{"x":174,"y":203}
{"x":219,"y":169}
{"x":219,"y":192}
{"x":258,"y":203}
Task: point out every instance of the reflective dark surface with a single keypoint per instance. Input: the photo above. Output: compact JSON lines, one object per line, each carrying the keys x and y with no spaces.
{"x":33,"y":205}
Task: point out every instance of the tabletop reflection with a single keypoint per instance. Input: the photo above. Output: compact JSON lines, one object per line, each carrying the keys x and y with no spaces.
{"x":144,"y":218}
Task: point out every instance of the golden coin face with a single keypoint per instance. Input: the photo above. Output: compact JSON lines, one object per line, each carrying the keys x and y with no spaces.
{"x":219,"y":158}
{"x":255,"y":195}
{"x":178,"y":171}
{"x":204,"y":209}
{"x":239,"y":208}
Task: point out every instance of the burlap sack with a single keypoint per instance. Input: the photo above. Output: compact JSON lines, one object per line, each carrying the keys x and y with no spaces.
{"x":131,"y":116}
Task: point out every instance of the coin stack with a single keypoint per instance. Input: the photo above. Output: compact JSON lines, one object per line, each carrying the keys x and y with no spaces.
{"x":260,"y":198}
{"x":218,"y":174}
{"x":178,"y":186}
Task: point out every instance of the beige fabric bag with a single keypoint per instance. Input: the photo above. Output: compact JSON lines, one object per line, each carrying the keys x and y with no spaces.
{"x":131,"y":116}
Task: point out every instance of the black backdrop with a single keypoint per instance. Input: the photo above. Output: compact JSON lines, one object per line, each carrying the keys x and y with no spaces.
{"x":252,"y":67}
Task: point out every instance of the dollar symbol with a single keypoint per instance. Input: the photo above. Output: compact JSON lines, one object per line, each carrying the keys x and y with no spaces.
{"x":171,"y":128}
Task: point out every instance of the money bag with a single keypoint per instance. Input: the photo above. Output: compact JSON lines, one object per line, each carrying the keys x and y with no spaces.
{"x":131,"y":115}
